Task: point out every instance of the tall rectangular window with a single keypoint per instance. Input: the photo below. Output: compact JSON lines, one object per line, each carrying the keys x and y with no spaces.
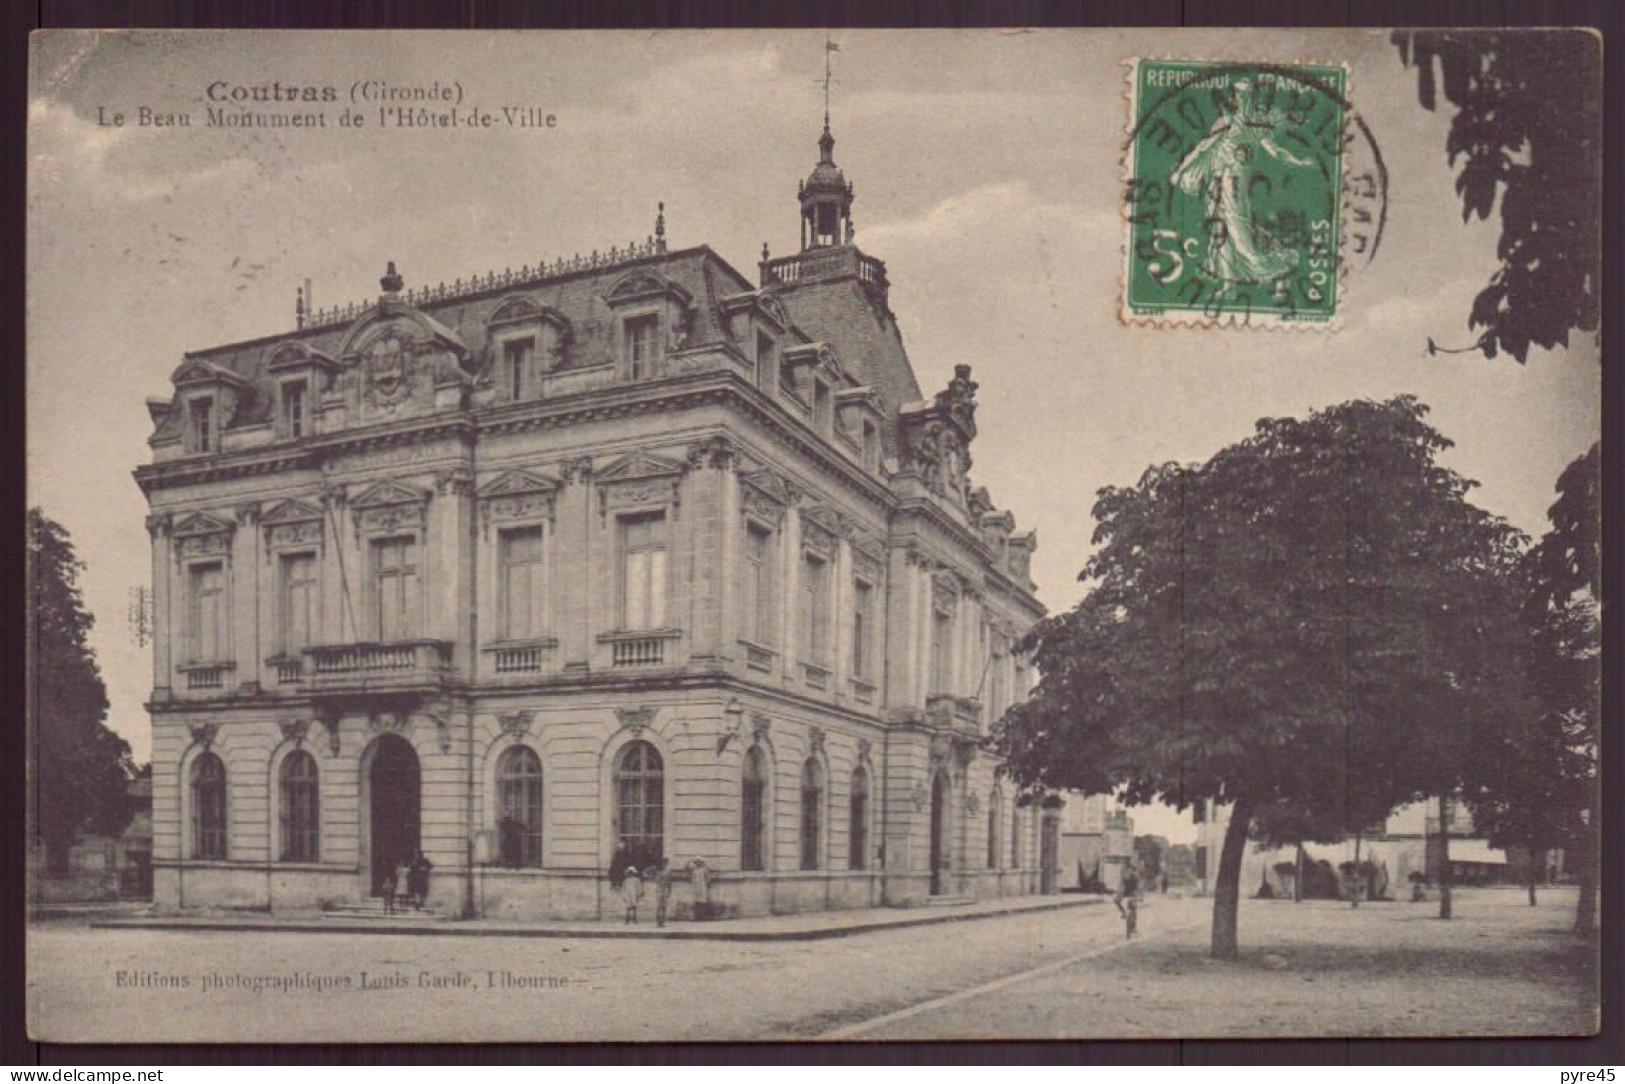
{"x":815,"y":608}
{"x":296,"y":616}
{"x":863,"y":617}
{"x":395,"y":589}
{"x":757,"y":590}
{"x":294,"y":421}
{"x":642,"y":345}
{"x":520,"y":578}
{"x":206,"y":612}
{"x":516,"y":359}
{"x":942,"y":660}
{"x":201,"y":421}
{"x":643,"y":571}
{"x":822,"y":419}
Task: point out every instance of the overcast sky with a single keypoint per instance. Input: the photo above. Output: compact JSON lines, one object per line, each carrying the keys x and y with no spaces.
{"x":987,"y":168}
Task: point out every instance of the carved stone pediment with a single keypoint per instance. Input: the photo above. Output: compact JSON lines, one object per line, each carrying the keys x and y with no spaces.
{"x":765,"y":495}
{"x":642,"y":284}
{"x":515,"y":308}
{"x":201,"y":534}
{"x":291,"y":511}
{"x":637,"y":466}
{"x":638,"y":479}
{"x":204,"y":733}
{"x":389,"y":506}
{"x":389,"y":492}
{"x":292,"y":523}
{"x":515,"y":483}
{"x":202,"y":523}
{"x":196,"y":371}
{"x":518,"y":495}
{"x":291,"y":356}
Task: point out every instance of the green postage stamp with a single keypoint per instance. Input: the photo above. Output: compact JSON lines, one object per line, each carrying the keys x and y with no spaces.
{"x":1234,"y":194}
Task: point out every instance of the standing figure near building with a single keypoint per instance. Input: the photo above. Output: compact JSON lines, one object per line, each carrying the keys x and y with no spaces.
{"x":632,"y":892}
{"x":661,"y":872}
{"x":417,"y":879}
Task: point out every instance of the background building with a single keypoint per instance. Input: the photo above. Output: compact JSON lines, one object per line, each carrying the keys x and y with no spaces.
{"x":624,"y":554}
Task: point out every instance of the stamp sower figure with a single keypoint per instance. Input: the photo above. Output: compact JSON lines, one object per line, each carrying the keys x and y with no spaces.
{"x":661,"y":872}
{"x":1220,"y":167}
{"x":632,"y":892}
{"x":389,"y":889}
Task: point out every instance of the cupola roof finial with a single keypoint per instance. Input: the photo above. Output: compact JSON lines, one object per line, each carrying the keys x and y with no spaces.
{"x":392,"y":282}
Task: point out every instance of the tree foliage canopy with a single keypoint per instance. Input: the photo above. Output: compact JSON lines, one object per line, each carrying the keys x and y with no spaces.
{"x":1528,"y":128}
{"x":82,"y":767}
{"x":1310,"y":620}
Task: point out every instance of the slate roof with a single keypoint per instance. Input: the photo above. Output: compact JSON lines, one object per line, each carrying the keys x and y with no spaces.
{"x":578,"y":296}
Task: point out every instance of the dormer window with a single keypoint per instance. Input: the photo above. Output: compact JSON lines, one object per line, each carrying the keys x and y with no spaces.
{"x":822,"y":418}
{"x":200,"y":424}
{"x":642,"y":345}
{"x":871,"y":445}
{"x":766,"y":365}
{"x":517,"y":357}
{"x":295,"y":419}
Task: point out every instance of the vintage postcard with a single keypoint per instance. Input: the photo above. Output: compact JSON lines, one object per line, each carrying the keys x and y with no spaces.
{"x":534,"y":536}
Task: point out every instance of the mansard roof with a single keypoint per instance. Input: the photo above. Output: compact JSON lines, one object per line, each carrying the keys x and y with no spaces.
{"x":462,"y":316}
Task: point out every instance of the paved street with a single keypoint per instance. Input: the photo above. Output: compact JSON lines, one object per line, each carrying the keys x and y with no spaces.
{"x":1315,"y":968}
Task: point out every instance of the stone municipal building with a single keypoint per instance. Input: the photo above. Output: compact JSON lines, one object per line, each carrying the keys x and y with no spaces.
{"x":620,"y":553}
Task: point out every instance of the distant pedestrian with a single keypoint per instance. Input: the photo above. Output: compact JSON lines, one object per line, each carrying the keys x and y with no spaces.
{"x":1128,"y":900}
{"x":699,"y":876}
{"x":631,"y":892}
{"x":619,"y":861}
{"x":388,"y":887}
{"x":661,"y":872}
{"x":417,"y":879}
{"x":1162,"y":884}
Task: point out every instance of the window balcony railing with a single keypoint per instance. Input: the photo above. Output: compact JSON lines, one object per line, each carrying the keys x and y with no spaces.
{"x":206,"y":677}
{"x":640,"y":648}
{"x":758,"y":657}
{"x":287,"y":671}
{"x":815,"y":675}
{"x":404,"y":662}
{"x":519,"y":658}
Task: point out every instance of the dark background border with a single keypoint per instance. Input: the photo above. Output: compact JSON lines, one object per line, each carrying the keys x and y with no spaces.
{"x":15,"y":1049}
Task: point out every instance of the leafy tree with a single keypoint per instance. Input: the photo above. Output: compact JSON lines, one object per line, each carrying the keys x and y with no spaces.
{"x":1308,"y":621}
{"x":1537,"y":786}
{"x":82,"y":769}
{"x":1528,"y":127}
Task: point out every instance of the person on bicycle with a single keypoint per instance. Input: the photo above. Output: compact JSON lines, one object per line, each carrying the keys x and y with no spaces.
{"x":1128,"y":899}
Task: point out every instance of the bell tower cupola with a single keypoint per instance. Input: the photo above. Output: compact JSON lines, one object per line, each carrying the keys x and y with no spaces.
{"x":826,"y":200}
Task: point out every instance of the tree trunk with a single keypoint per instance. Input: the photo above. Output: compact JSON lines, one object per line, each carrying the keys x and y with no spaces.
{"x":1297,"y":878}
{"x":1585,"y":912}
{"x":1354,"y":896}
{"x":1444,"y":857}
{"x":1227,"y":887}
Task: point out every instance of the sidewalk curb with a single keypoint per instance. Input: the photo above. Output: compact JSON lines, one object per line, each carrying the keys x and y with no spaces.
{"x":459,"y":929}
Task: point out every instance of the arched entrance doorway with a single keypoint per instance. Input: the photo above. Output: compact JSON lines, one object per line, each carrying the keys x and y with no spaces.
{"x":939,"y":833}
{"x":393,"y":807}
